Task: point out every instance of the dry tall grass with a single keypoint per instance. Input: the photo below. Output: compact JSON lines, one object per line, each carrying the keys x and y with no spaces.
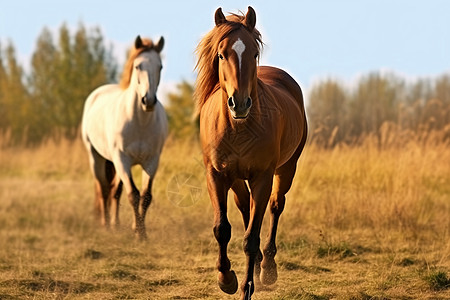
{"x":361,"y":222}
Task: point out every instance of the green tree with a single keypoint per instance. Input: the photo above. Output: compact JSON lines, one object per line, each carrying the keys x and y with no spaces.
{"x":14,"y":96}
{"x":91,"y":67}
{"x":64,"y":88}
{"x":180,"y":110}
{"x":3,"y":120}
{"x":44,"y":82}
{"x":64,"y":75}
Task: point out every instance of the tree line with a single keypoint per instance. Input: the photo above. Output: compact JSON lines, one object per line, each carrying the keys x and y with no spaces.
{"x":378,"y":102}
{"x":375,"y":105}
{"x":47,"y":101}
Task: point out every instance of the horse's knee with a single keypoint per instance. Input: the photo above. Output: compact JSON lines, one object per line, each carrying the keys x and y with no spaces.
{"x":277,"y":203}
{"x":134,"y":198}
{"x":270,"y":250}
{"x":118,"y":192}
{"x":222,"y":232}
{"x":251,"y":245}
{"x":146,"y":199}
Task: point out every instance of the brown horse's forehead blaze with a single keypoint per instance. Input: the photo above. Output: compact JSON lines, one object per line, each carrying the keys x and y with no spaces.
{"x":228,"y":44}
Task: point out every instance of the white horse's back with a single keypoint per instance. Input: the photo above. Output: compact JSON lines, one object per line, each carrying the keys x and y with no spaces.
{"x":98,"y":111}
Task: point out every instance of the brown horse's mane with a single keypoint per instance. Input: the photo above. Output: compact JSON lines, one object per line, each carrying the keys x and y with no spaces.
{"x":207,"y":64}
{"x":147,"y":45}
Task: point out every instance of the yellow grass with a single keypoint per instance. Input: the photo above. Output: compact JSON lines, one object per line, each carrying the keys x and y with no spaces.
{"x":360,"y":222}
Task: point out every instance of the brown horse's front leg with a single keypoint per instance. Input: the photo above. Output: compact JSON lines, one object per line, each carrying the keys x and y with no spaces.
{"x":242,"y":199}
{"x":218,"y":187}
{"x":261,"y":186}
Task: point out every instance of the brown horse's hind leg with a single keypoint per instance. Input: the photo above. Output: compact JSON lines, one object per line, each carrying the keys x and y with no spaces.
{"x":281,"y":184}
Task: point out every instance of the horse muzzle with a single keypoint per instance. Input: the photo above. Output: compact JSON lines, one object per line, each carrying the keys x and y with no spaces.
{"x":239,"y":111}
{"x":148,"y":103}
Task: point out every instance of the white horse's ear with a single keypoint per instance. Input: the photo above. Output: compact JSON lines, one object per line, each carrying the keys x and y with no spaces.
{"x":138,"y":42}
{"x":219,"y":17}
{"x":159,"y":46}
{"x":250,"y":19}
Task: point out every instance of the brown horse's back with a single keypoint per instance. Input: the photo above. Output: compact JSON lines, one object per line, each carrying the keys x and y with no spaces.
{"x":278,"y":78}
{"x":286,"y":98}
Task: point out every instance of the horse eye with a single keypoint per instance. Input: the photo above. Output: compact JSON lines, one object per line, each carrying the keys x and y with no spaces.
{"x":220,"y":56}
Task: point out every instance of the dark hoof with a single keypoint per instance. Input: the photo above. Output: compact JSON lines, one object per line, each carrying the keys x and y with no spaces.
{"x":140,"y":231}
{"x":269,"y":274}
{"x":228,"y":282}
{"x":141,"y":236}
{"x":115,"y":226}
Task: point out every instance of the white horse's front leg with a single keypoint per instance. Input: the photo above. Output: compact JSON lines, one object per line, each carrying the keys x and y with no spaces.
{"x":146,"y":197}
{"x":123,"y":168}
{"x":148,"y":174}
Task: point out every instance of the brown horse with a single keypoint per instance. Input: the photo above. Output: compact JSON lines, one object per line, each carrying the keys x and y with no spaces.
{"x":253,"y":129}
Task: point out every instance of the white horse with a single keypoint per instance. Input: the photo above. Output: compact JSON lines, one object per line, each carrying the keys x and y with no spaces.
{"x":124,"y":125}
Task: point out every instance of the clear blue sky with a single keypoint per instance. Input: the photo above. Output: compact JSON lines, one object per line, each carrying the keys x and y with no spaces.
{"x":310,"y":39}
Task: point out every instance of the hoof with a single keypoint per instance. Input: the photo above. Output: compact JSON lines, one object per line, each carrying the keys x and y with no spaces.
{"x":115,"y":226}
{"x":269,"y":275}
{"x":141,"y":236}
{"x":140,"y":231}
{"x":228,"y":282}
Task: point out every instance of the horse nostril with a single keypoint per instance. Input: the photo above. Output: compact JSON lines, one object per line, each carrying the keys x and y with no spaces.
{"x":248,"y":103}
{"x":231,"y":102}
{"x":144,"y":100}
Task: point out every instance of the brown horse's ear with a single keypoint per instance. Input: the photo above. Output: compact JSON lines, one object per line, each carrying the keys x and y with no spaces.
{"x":159,"y":46}
{"x":250,"y":19}
{"x":138,"y":42}
{"x":219,"y":17}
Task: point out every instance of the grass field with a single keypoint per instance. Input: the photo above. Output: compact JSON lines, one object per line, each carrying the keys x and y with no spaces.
{"x":363,"y":222}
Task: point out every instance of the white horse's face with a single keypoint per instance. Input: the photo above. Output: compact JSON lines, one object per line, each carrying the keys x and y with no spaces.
{"x":147,"y":73}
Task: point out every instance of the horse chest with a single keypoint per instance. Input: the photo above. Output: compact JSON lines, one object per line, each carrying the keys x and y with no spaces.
{"x":242,"y":155}
{"x":137,"y":144}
